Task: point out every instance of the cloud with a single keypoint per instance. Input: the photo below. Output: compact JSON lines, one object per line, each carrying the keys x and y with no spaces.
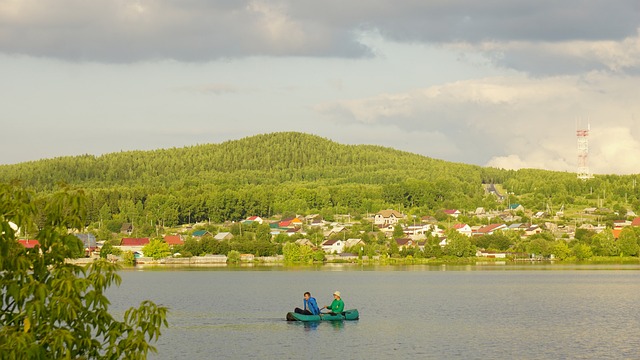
{"x":514,"y":122}
{"x":541,"y":36}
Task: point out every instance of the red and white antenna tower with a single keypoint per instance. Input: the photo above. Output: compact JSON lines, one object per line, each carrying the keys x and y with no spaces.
{"x":583,"y":153}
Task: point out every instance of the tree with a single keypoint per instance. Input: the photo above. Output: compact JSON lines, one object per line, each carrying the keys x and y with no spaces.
{"x":582,"y":251}
{"x":52,"y":309}
{"x":156,"y":249}
{"x":398,"y":231}
{"x":458,"y":245}
{"x":628,"y":242}
{"x":561,"y":250}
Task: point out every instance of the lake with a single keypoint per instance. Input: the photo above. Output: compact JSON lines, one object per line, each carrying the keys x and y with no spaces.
{"x":426,"y":312}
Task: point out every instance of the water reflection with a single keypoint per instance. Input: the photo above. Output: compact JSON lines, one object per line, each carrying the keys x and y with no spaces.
{"x":313,"y":325}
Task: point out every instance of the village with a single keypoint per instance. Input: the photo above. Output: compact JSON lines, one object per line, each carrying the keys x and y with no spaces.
{"x":389,"y":229}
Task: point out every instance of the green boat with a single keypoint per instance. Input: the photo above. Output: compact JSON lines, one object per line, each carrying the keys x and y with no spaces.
{"x":345,"y":315}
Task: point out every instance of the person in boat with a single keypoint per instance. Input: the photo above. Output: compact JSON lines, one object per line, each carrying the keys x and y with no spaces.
{"x":310,"y":306}
{"x":337,"y":306}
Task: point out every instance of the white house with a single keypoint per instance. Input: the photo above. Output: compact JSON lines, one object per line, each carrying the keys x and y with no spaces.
{"x":463,"y":229}
{"x":453,"y":212}
{"x":385,"y":217}
{"x":333,"y":246}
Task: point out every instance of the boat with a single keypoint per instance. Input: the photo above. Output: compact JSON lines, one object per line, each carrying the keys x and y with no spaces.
{"x":345,"y":315}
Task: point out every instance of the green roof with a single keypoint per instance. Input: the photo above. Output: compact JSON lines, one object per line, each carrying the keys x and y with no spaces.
{"x":199,"y":232}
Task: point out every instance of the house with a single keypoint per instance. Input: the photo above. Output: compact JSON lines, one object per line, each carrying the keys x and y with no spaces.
{"x":463,"y":229}
{"x":490,"y":229}
{"x":452,"y":212}
{"x":406,"y":243}
{"x":126,"y":228}
{"x":428,"y":219}
{"x":590,"y":210}
{"x":388,"y":216}
{"x":516,"y":207}
{"x":335,"y":230}
{"x":223,"y":236}
{"x":29,"y":244}
{"x":349,"y":243}
{"x":173,"y":240}
{"x":539,"y":215}
{"x":443,"y":242}
{"x":333,"y":246}
{"x":619,"y":224}
{"x":290,"y":223}
{"x":479,"y":211}
{"x":305,"y":242}
{"x":257,"y":219}
{"x":635,"y":222}
{"x":517,"y":227}
{"x":88,"y":241}
{"x":134,"y":245}
{"x":293,"y":231}
{"x":532,"y":230}
{"x":200,"y":233}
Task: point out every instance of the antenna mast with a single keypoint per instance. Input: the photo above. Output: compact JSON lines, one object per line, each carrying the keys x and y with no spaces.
{"x":583,"y":153}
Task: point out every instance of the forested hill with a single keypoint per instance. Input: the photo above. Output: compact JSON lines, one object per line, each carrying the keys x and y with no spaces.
{"x":271,"y":158}
{"x":291,"y":172}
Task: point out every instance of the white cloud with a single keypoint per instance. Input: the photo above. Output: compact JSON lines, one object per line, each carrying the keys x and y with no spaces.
{"x":515,"y":122}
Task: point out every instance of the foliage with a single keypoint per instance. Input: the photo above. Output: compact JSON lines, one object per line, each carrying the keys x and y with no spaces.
{"x":156,"y":249}
{"x":628,"y":242}
{"x":52,"y":309}
{"x":233,"y":257}
{"x":129,"y":258}
{"x":301,"y":254}
{"x":459,"y":245}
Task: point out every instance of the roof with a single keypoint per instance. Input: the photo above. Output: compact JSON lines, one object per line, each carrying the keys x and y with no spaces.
{"x":404,"y":242}
{"x":514,"y":206}
{"x":173,"y":240}
{"x":451,"y":211}
{"x":253,"y":218}
{"x":200,"y":233}
{"x":222,"y":235}
{"x":491,"y":227}
{"x":134,"y":241}
{"x":330,"y":242}
{"x":388,"y":213}
{"x":29,"y":244}
{"x":636,"y":222}
{"x":459,"y":226}
{"x":126,"y":227}
{"x":616,"y":233}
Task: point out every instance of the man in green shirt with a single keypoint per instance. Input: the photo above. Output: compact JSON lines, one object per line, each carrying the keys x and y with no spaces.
{"x":337,"y":306}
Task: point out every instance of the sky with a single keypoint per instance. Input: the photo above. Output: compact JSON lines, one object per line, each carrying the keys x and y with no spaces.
{"x":500,"y":83}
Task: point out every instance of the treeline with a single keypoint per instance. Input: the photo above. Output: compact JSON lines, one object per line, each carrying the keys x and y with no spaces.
{"x":296,"y":173}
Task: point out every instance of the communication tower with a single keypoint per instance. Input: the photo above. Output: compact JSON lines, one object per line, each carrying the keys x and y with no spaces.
{"x":583,"y":153}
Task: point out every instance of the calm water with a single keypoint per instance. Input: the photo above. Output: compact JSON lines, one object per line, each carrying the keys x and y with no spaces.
{"x":468,"y":312}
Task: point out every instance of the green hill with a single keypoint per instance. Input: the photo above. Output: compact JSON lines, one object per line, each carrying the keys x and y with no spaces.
{"x":294,"y":172}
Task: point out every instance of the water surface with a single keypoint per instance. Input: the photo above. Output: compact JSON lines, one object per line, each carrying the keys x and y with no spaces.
{"x":429,"y":312}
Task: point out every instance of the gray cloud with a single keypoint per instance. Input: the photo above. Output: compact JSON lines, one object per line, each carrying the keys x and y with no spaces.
{"x":203,"y":30}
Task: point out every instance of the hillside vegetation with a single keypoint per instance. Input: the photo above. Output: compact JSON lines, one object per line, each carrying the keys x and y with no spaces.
{"x":299,"y":173}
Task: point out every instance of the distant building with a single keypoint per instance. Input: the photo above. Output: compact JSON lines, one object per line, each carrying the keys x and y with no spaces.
{"x":452,"y":212}
{"x":173,"y":240}
{"x":223,"y":236}
{"x":386,"y":217}
{"x":463,"y":229}
{"x":333,"y":246}
{"x":126,"y":228}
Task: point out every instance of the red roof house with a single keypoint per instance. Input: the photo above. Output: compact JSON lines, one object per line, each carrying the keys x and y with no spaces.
{"x":134,"y":241}
{"x":490,"y":229}
{"x":173,"y":240}
{"x":636,"y":222}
